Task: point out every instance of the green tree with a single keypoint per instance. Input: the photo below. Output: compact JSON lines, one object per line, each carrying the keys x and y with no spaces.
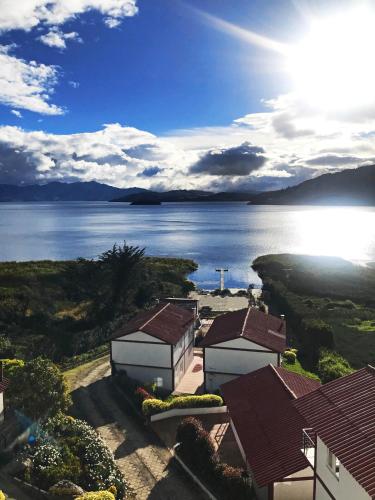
{"x":332,"y":366}
{"x":38,"y":389}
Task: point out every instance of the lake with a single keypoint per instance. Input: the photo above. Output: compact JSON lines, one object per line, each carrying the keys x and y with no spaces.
{"x":215,"y":235}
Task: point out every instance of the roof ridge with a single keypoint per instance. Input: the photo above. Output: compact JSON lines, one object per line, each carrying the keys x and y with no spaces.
{"x":283,"y":381}
{"x":245,"y":322}
{"x":155,"y":315}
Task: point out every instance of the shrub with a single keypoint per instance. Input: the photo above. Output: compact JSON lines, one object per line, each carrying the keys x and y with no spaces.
{"x":290,"y":357}
{"x":11,"y":365}
{"x":198,"y":451}
{"x":96,"y":495}
{"x":332,"y":366}
{"x":143,"y":394}
{"x":153,"y":406}
{"x":2,"y":496}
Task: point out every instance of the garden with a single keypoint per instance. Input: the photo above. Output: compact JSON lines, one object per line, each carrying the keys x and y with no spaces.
{"x":66,"y":456}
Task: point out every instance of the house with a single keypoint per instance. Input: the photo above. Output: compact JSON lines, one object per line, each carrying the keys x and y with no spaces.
{"x":268,"y":429}
{"x":156,"y":346}
{"x":340,"y":438}
{"x":3,"y":385}
{"x":240,"y":342}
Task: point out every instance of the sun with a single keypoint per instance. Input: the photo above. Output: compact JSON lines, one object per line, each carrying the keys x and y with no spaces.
{"x":333,"y":67}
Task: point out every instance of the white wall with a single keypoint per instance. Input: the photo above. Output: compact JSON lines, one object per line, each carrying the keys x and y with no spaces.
{"x":237,"y":362}
{"x":345,"y":487}
{"x":147,"y":375}
{"x":183,"y":343}
{"x":135,"y":353}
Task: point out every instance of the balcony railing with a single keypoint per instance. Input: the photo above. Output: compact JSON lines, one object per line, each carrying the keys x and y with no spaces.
{"x":308,"y":444}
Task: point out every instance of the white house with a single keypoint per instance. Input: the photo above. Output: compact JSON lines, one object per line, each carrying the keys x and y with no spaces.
{"x":240,"y":342}
{"x":340,"y":438}
{"x":268,"y":429}
{"x":155,"y":345}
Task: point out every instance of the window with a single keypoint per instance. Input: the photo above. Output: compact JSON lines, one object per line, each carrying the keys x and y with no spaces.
{"x":333,"y":463}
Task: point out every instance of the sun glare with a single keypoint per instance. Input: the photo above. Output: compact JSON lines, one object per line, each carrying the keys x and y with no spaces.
{"x":334,"y":66}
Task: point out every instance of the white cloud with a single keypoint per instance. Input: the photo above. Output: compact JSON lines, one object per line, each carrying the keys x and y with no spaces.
{"x":73,"y":84}
{"x":112,"y":22}
{"x":57,"y":38}
{"x":17,"y":113}
{"x":27,"y":84}
{"x":27,"y":14}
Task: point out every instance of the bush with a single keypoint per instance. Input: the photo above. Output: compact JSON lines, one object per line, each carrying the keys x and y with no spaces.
{"x":11,"y":365}
{"x":332,"y":366}
{"x":153,"y":406}
{"x":2,"y":496}
{"x":68,"y":448}
{"x":97,"y":495}
{"x":290,"y":357}
{"x":198,"y":452}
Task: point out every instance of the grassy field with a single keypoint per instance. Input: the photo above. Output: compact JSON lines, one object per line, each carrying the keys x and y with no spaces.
{"x":330,"y":289}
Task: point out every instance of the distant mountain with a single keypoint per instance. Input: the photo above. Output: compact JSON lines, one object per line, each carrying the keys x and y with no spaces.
{"x":61,"y":191}
{"x":349,"y":187}
{"x":182,"y":195}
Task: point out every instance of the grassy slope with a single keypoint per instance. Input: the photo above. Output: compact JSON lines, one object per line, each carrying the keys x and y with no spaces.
{"x":331,"y":289}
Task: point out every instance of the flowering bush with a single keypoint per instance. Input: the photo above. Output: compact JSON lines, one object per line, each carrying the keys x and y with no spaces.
{"x":143,"y":394}
{"x":68,"y":448}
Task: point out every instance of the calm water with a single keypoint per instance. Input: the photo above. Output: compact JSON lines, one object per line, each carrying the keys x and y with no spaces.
{"x":214,"y":235}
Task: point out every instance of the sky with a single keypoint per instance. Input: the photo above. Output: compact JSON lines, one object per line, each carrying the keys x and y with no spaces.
{"x":195,"y":94}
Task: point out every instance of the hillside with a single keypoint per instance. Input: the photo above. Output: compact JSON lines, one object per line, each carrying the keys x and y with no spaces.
{"x":349,"y":187}
{"x":61,"y":191}
{"x":60,"y":309}
{"x":182,"y":195}
{"x":323,"y":289}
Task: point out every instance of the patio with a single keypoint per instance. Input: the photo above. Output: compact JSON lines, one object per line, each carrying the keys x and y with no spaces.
{"x":192,"y":381}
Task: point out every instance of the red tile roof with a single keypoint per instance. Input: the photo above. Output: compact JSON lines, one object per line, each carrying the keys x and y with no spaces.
{"x":268,"y":425}
{"x":263,"y":329}
{"x":166,"y":322}
{"x":3,"y":384}
{"x":342,"y":413}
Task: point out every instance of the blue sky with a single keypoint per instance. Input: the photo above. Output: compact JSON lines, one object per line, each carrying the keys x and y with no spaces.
{"x":172,"y":84}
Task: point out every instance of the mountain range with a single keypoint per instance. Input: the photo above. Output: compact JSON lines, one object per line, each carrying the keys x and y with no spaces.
{"x":61,"y":191}
{"x":349,"y":187}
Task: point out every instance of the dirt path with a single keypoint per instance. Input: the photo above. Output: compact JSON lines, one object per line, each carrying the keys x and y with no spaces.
{"x":146,"y":464}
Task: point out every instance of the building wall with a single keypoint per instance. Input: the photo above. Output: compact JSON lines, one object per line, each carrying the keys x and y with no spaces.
{"x":344,"y":487}
{"x":141,"y":352}
{"x":183,"y":354}
{"x":149,"y":374}
{"x":227,"y":360}
{"x":1,"y":406}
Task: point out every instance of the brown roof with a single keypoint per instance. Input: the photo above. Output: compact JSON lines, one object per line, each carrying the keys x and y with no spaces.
{"x":268,"y":425}
{"x":166,"y":322}
{"x":342,"y":413}
{"x":263,"y":329}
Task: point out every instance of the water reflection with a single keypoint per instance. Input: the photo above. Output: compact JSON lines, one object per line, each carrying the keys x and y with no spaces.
{"x":227,"y":235}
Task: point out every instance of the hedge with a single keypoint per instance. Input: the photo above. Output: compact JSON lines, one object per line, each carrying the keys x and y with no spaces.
{"x":2,"y":496}
{"x":154,"y":406}
{"x":290,"y":357}
{"x":98,"y":495}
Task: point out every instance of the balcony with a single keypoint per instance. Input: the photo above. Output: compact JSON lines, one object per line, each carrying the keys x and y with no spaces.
{"x":309,"y":444}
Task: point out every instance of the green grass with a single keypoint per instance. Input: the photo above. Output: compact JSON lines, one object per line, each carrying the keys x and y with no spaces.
{"x":366,"y":326}
{"x":297,"y":368}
